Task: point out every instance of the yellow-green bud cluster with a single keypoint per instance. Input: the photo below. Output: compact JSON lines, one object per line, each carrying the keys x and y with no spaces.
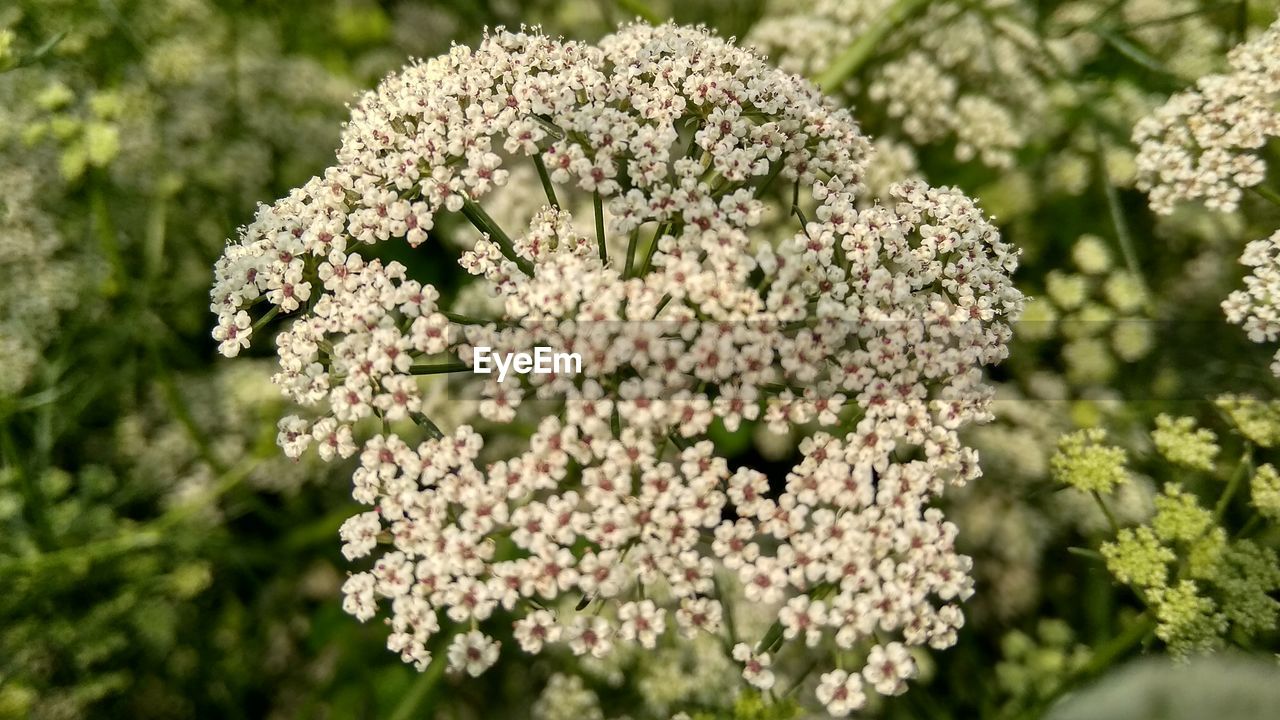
{"x":1182,"y":443}
{"x":1198,"y":583}
{"x":1258,"y":421}
{"x":1084,"y":462}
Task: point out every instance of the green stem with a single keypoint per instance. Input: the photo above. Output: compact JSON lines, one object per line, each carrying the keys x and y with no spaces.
{"x":262,"y":321}
{"x":1106,"y":511}
{"x":421,"y":691}
{"x":599,"y":208}
{"x":425,"y":422}
{"x":468,"y":320}
{"x":151,"y":534}
{"x":727,"y":608}
{"x":157,"y":217}
{"x":1267,"y":193}
{"x":768,"y":179}
{"x":795,"y":684}
{"x":640,"y":10}
{"x":661,"y":304}
{"x":38,"y":54}
{"x":1103,"y":657}
{"x":1176,"y":17}
{"x":108,"y":239}
{"x":485,"y":224}
{"x":1139,"y":630}
{"x":1086,"y":553}
{"x":1250,"y":525}
{"x":1233,"y":484}
{"x":773,"y":636}
{"x":439,"y":368}
{"x":36,"y":400}
{"x":631,"y":252}
{"x":1137,"y":54}
{"x":321,"y":530}
{"x":653,"y":248}
{"x":1123,"y":236}
{"x":547,"y":187}
{"x":182,"y":413}
{"x":33,"y":494}
{"x":606,"y":13}
{"x":857,"y":54}
{"x":127,"y":541}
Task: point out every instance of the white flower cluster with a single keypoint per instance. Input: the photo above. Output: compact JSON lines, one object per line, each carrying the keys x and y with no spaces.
{"x":38,"y":281}
{"x":967,"y":73}
{"x":868,"y":327}
{"x":1204,"y":144}
{"x":1256,"y":308}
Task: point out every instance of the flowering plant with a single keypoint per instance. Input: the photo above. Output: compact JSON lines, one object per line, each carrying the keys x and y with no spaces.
{"x":612,"y":370}
{"x":871,"y":324}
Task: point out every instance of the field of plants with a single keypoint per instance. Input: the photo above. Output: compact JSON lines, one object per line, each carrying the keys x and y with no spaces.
{"x":926,"y":359}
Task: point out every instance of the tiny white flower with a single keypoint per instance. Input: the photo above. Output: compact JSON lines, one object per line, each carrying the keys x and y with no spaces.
{"x":472,"y":652}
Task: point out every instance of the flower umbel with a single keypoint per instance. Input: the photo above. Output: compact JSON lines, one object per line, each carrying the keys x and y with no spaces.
{"x":865,"y":329}
{"x":1083,"y":462}
{"x":1204,"y":144}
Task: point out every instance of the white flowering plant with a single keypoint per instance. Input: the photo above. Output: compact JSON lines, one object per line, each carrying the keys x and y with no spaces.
{"x":905,"y":359}
{"x":620,"y":497}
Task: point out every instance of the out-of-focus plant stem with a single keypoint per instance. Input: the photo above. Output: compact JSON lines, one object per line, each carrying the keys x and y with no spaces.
{"x":108,"y":239}
{"x":421,"y":691}
{"x":150,"y":534}
{"x":1103,"y":657}
{"x":856,"y":55}
{"x":1123,"y":236}
{"x":1106,"y":512}
{"x":640,"y":10}
{"x":1267,"y":194}
{"x":1233,"y":484}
